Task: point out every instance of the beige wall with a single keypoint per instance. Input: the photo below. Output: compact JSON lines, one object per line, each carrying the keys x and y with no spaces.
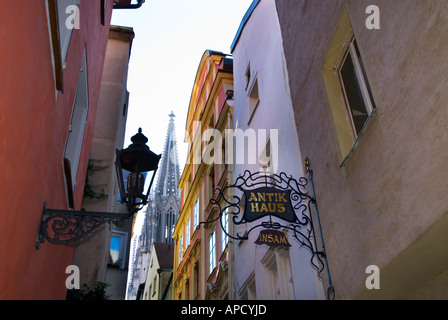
{"x":92,"y":255}
{"x":387,"y":205}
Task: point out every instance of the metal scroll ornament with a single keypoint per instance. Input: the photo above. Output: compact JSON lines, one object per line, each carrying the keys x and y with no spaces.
{"x":277,"y":202}
{"x":64,"y":227}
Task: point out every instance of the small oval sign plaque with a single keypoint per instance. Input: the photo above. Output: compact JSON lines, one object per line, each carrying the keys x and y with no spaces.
{"x":273,"y":238}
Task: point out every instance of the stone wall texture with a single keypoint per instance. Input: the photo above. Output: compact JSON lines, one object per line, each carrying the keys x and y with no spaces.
{"x":386,"y":205}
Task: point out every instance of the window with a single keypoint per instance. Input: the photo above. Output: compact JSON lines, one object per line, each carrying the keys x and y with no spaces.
{"x":117,"y":249}
{"x":225,"y":227}
{"x":63,"y":18}
{"x":212,"y":252}
{"x":357,"y":93}
{"x":196,"y":215}
{"x":247,"y":75}
{"x":254,"y":99}
{"x":167,"y":232}
{"x":187,"y":290}
{"x":68,"y":19}
{"x":195,"y":280}
{"x":277,"y":275}
{"x":170,"y":223}
{"x":187,"y":231}
{"x":103,"y":11}
{"x":248,"y":290}
{"x":270,"y":280}
{"x":349,"y":92}
{"x":268,"y":158}
{"x":76,"y":129}
{"x":211,"y":184}
{"x":154,"y":286}
{"x":181,"y":248}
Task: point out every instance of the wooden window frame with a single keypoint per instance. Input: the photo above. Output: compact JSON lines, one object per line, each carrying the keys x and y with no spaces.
{"x":56,"y":44}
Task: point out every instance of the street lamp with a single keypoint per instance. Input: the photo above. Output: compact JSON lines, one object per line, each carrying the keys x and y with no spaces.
{"x":135,"y":162}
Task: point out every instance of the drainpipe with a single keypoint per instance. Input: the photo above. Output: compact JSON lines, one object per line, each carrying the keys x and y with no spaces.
{"x":129,"y":6}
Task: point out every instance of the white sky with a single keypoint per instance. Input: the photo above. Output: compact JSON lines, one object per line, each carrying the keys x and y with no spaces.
{"x":170,"y":39}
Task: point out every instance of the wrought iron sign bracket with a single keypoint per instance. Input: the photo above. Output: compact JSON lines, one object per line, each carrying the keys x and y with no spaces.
{"x":330,"y":289}
{"x":69,"y":226}
{"x":282,"y":203}
{"x":321,"y":254}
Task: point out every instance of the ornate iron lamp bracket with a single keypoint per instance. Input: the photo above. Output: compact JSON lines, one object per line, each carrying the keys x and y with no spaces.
{"x":67,"y":226}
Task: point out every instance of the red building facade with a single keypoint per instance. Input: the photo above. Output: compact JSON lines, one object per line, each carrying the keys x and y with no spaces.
{"x":52,"y":60}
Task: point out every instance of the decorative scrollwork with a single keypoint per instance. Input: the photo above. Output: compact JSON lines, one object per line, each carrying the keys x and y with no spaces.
{"x":64,"y":227}
{"x":227,"y":201}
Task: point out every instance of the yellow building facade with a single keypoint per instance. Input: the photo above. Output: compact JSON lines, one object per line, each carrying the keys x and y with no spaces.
{"x":202,"y":265}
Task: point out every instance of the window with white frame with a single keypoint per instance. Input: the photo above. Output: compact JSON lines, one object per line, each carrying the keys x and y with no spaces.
{"x":181,"y":248}
{"x":187,"y":233}
{"x":117,"y":249}
{"x":225,"y":230}
{"x":356,"y":89}
{"x":196,"y":215}
{"x":348,"y":89}
{"x":77,"y":124}
{"x":212,"y":252}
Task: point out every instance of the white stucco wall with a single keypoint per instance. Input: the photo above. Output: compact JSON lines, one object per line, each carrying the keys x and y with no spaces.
{"x":260,"y":47}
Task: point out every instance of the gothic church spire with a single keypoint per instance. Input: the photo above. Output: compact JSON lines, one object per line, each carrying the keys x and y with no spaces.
{"x":169,"y":172}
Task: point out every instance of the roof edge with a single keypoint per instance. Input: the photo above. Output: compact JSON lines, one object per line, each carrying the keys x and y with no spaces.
{"x":243,"y":23}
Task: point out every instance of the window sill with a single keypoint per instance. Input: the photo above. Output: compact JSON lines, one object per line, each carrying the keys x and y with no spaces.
{"x":252,"y":112}
{"x":358,"y":138}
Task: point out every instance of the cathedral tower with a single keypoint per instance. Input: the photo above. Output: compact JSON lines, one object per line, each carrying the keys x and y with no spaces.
{"x":163,"y":207}
{"x":161,"y":213}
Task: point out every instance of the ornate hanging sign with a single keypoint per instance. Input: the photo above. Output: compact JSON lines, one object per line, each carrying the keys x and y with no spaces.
{"x":276,"y":203}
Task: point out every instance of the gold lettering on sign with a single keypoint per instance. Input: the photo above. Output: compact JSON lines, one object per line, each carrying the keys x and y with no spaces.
{"x":267,"y":202}
{"x":264,"y":208}
{"x":272,"y":238}
{"x":254,"y":206}
{"x":252,"y":197}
